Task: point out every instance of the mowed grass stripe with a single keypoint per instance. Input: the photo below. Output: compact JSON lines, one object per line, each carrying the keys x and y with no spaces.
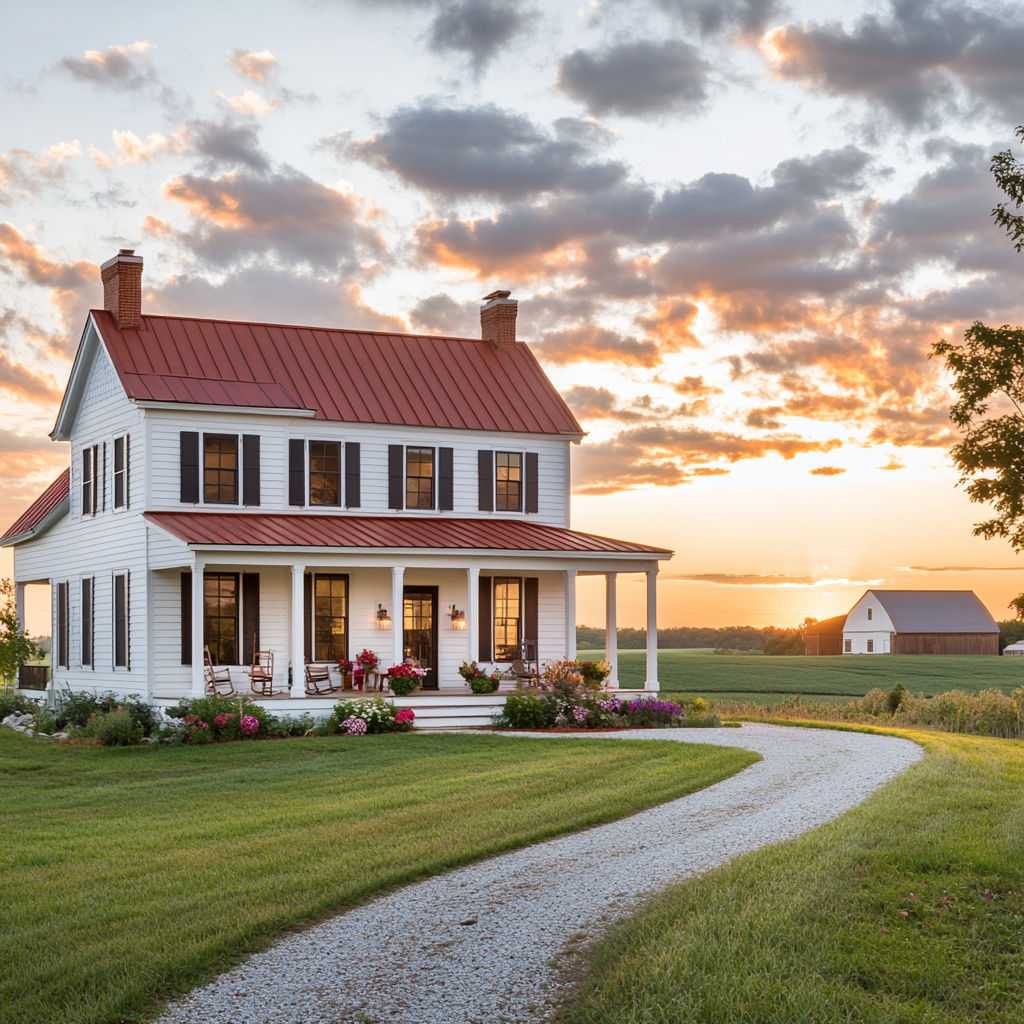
{"x":811,"y":930}
{"x":135,"y":873}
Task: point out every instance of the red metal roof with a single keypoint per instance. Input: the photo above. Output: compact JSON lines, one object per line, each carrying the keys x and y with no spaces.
{"x":42,"y":507}
{"x":341,"y":531}
{"x":347,"y":376}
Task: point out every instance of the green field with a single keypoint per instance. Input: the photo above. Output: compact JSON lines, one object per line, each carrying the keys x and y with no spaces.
{"x":813,"y":930}
{"x":765,"y":680}
{"x":137,"y":872}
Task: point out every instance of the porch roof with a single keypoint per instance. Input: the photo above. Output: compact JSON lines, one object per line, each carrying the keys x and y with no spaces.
{"x":42,"y":513}
{"x":202,"y":529}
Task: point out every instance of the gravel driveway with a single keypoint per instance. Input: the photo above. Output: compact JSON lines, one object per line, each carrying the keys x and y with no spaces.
{"x":474,"y":945}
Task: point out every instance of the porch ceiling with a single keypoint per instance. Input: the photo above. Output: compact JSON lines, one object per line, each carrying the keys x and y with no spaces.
{"x":203,"y":529}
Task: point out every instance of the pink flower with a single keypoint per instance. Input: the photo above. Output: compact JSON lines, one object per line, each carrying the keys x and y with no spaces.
{"x":927,"y":927}
{"x":354,"y":726}
{"x":990,"y":895}
{"x":911,"y":897}
{"x":405,"y":715}
{"x":904,"y":913}
{"x":250,"y":725}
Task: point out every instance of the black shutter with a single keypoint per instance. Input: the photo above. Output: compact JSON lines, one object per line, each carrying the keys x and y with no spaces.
{"x":396,"y":476}
{"x":87,"y":505}
{"x":307,"y":616}
{"x":484,"y":612}
{"x":87,"y":658}
{"x":296,"y":471}
{"x":353,"y":495}
{"x":250,"y":469}
{"x":120,"y":623}
{"x":485,"y":478}
{"x":532,"y":482}
{"x":62,"y":625}
{"x":104,"y":506}
{"x":446,"y":479}
{"x":531,"y":600}
{"x":128,"y":472}
{"x":250,"y":615}
{"x":186,"y":618}
{"x":189,"y":467}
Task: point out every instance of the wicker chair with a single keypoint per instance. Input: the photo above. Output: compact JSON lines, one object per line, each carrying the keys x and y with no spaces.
{"x":216,"y":678}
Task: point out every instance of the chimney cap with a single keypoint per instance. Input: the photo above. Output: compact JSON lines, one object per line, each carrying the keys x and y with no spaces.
{"x":126,"y":252}
{"x":500,"y":294}
{"x":123,"y":256}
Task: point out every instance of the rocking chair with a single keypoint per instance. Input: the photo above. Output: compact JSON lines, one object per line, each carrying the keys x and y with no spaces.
{"x":216,"y":677}
{"x":317,"y":674}
{"x":261,"y":673}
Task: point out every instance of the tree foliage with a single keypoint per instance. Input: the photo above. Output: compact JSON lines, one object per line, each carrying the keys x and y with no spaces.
{"x":988,"y":378}
{"x":15,"y":646}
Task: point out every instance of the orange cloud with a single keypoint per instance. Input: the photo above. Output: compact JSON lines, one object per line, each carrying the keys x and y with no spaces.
{"x":827,"y":471}
{"x":21,"y":382}
{"x":257,"y":67}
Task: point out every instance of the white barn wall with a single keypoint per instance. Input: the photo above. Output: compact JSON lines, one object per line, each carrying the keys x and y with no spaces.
{"x":859,"y":629}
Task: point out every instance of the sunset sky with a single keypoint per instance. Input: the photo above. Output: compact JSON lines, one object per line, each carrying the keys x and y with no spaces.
{"x":735,"y":228}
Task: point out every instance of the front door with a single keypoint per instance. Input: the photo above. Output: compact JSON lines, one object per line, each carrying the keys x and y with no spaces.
{"x":420,"y":631}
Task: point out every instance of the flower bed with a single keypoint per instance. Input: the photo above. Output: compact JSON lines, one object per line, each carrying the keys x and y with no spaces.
{"x":360,"y":717}
{"x":526,"y":709}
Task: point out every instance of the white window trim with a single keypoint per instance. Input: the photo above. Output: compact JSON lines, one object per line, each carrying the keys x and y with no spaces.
{"x":307,"y":440}
{"x":521,"y":511}
{"x":239,"y":484}
{"x":126,"y":507}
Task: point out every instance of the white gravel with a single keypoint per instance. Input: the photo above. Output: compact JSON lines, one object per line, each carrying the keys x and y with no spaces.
{"x":475,"y":945}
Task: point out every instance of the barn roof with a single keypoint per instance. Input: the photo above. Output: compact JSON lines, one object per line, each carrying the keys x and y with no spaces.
{"x":826,"y":626}
{"x":935,"y":611}
{"x":348,"y":376}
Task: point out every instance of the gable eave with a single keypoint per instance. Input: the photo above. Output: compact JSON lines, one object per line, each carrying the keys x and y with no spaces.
{"x":75,"y":390}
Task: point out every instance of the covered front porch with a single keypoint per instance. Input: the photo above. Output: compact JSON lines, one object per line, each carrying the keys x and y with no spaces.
{"x":325,"y":604}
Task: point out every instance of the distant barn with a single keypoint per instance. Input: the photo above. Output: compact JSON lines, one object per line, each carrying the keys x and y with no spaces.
{"x":825,"y":637}
{"x":920,"y":622}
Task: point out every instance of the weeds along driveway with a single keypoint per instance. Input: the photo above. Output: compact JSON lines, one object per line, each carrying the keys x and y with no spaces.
{"x":477,"y":945}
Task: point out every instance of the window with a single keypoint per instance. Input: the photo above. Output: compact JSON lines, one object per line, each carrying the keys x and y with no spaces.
{"x":871,"y":647}
{"x":220,"y":469}
{"x":121,"y":472}
{"x":88,"y":587}
{"x":121,"y":621}
{"x":847,"y":646}
{"x":324,"y":473}
{"x":509,"y":481}
{"x":869,"y":614}
{"x":63,"y":661}
{"x":507,"y":616}
{"x":220,"y":616}
{"x":419,"y":477}
{"x":90,"y":480}
{"x":330,"y":617}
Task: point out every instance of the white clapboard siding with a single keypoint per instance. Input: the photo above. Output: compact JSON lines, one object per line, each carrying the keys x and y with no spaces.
{"x":275,"y":431}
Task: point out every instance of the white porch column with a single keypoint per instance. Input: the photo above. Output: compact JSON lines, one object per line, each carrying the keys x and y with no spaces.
{"x":611,"y":631}
{"x":298,"y":631}
{"x":652,"y":630}
{"x":570,"y":614}
{"x":398,"y":613}
{"x":198,"y":681}
{"x":473,"y":613}
{"x":19,"y":603}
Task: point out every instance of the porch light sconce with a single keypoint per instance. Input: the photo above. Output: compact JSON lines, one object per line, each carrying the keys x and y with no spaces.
{"x":383,"y":619}
{"x":458,"y":618}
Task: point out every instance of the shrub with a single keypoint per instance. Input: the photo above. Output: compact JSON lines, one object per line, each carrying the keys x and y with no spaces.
{"x":563,"y":677}
{"x":377,"y":713}
{"x":404,"y":678}
{"x":231,"y":711}
{"x":651,"y":711}
{"x":404,"y":720}
{"x":77,"y":708}
{"x":594,"y":673}
{"x":116,"y":729}
{"x":14,"y":703}
{"x":525,"y":711}
{"x":897,"y":695}
{"x":295,"y":725}
{"x":45,"y":722}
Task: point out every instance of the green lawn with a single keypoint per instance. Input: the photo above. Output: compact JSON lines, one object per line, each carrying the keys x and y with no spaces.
{"x":762,"y":679}
{"x":132,"y":873}
{"x":811,"y":930}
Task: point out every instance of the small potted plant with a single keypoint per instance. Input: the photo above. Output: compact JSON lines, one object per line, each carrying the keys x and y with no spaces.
{"x":345,"y":668}
{"x":479,"y":682}
{"x":404,"y":678}
{"x":367,"y":661}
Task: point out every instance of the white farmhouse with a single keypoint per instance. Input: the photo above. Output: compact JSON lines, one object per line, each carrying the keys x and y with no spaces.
{"x":920,"y":622}
{"x":244,"y":487}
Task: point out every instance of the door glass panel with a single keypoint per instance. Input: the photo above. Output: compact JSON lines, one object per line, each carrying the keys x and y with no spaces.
{"x":507,"y":604}
{"x":418,"y":639}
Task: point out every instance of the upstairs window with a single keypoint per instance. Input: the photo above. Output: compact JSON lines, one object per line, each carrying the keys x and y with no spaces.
{"x":869,"y":614}
{"x":325,"y":473}
{"x":419,"y":477}
{"x":90,"y":480}
{"x":220,"y":469}
{"x":508,"y":481}
{"x":121,"y":472}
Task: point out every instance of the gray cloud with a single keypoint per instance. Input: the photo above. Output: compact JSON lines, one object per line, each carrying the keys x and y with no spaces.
{"x":122,"y":68}
{"x":914,"y":61}
{"x":744,"y":18}
{"x":441,"y":314}
{"x":228,"y":143}
{"x":285,"y":215}
{"x":636,"y":79}
{"x":478,"y":28}
{"x":486,"y":151}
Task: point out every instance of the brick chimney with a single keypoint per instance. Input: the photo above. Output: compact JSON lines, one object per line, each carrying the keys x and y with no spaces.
{"x":122,"y":289}
{"x":498,"y":319}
